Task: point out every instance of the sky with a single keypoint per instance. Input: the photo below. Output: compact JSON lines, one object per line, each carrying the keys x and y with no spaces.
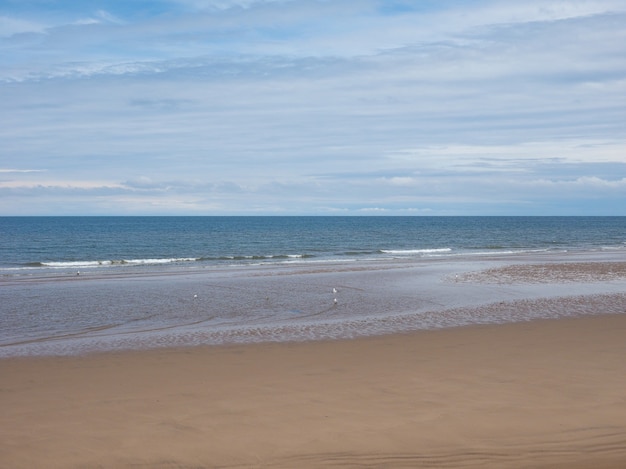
{"x":312,"y":107}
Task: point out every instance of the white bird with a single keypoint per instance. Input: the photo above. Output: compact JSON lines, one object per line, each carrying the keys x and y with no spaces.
{"x":334,"y":291}
{"x":195,"y":296}
{"x":335,"y":301}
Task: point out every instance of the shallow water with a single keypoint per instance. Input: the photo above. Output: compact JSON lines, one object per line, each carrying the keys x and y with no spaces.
{"x":67,"y":314}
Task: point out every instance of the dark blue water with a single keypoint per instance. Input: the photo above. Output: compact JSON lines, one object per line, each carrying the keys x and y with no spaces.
{"x":46,"y":243}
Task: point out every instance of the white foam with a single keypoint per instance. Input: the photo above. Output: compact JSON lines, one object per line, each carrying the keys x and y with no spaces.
{"x":87,"y":264}
{"x":415,"y":251}
{"x":159,"y":261}
{"x":61,"y":265}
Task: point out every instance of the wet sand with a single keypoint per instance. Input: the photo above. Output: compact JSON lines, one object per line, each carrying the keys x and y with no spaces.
{"x":545,"y":393}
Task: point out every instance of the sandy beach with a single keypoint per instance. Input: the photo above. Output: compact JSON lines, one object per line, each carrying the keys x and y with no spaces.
{"x":546,"y":393}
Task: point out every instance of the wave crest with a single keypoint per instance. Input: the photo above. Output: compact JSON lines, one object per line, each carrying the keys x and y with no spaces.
{"x":412,"y":252}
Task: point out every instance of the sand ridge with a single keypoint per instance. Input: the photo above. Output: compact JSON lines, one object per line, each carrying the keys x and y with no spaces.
{"x":550,"y":273}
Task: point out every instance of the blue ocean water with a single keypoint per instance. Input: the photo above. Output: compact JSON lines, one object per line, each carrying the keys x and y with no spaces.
{"x":29,"y":244}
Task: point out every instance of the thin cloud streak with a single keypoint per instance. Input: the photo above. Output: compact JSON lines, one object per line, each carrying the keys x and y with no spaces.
{"x":21,"y":170}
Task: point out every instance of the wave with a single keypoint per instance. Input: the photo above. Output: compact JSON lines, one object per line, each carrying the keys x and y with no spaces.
{"x":484,"y":251}
{"x":85,"y":264}
{"x":505,"y":252}
{"x":411,"y":252}
{"x":257,"y":257}
{"x":105,"y":263}
{"x":349,"y":255}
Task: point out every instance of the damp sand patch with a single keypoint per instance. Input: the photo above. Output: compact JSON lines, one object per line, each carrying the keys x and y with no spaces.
{"x":575,"y":272}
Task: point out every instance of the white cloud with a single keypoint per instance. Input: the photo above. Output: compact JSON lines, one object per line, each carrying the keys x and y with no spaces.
{"x":496,"y":158}
{"x":51,"y":184}
{"x":584,"y":182}
{"x":99,"y":17}
{"x":224,"y":4}
{"x":9,"y":170}
{"x":402,"y":181}
{"x":107,"y":17}
{"x":498,"y":12}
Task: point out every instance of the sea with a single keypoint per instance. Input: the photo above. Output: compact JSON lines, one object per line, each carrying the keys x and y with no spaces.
{"x":81,"y":284}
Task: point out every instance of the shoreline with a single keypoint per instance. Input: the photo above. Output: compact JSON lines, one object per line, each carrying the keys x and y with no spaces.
{"x":85,"y":314}
{"x":41,"y":274}
{"x":544,"y":393}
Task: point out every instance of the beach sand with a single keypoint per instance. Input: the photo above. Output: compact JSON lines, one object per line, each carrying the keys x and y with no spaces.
{"x":540,"y":394}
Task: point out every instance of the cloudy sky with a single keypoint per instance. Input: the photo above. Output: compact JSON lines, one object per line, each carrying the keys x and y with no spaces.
{"x":326,"y":107}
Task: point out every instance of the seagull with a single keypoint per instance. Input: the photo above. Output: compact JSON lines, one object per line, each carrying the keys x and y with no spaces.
{"x":335,"y":301}
{"x":334,"y":291}
{"x":195,"y":296}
